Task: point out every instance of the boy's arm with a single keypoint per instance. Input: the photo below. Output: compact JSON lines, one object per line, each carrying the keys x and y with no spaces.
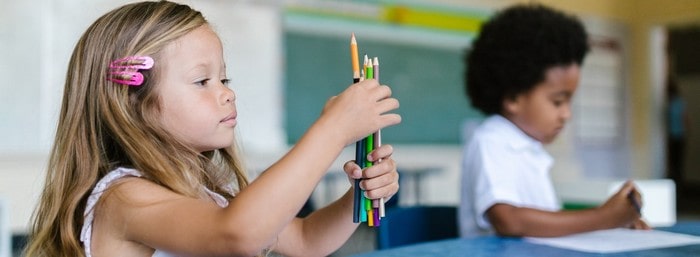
{"x":618,"y":211}
{"x":509,"y":220}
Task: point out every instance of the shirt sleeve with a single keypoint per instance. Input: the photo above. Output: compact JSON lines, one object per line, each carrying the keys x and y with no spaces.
{"x":493,"y":168}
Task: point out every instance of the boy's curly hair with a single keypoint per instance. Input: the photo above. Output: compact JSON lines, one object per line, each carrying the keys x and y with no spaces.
{"x":515,"y":48}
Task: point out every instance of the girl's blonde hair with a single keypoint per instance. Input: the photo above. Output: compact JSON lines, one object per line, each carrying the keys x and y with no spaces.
{"x":104,"y":125}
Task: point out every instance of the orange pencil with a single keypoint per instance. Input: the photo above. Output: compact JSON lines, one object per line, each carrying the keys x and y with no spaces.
{"x":354,"y":59}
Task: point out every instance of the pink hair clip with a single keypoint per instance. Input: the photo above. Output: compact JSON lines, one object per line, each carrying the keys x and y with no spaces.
{"x":126,"y":70}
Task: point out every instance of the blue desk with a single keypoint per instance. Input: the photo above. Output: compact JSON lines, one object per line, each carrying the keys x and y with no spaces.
{"x":493,"y":246}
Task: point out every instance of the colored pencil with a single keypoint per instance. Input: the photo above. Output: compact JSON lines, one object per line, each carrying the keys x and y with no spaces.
{"x":369,"y":146}
{"x":357,"y":193}
{"x":354,"y":59}
{"x":634,"y":201}
{"x":378,"y":137}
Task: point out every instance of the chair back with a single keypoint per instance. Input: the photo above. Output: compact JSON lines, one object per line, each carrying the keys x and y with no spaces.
{"x":415,"y":224}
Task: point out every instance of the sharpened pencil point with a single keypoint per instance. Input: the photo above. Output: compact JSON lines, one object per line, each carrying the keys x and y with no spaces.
{"x":353,"y":58}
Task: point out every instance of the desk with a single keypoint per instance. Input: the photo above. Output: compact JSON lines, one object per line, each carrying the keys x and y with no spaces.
{"x":493,"y":246}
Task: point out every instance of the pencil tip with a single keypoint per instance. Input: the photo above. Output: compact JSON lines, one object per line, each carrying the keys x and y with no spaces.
{"x":376,"y":60}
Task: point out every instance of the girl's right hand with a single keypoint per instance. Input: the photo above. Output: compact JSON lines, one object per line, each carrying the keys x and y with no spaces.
{"x":360,"y":110}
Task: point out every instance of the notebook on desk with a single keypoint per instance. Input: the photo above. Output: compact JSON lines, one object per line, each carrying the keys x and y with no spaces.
{"x":617,"y":240}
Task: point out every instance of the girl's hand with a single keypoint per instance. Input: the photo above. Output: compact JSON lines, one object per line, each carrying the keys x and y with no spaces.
{"x":379,"y":181}
{"x":361,"y":109}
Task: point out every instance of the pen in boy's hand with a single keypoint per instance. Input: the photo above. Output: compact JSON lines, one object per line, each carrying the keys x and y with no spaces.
{"x":634,"y":201}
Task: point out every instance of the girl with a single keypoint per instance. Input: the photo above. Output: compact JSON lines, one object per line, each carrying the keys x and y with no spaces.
{"x":143,"y":163}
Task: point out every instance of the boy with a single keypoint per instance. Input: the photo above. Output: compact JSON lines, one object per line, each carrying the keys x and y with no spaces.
{"x":522,"y":72}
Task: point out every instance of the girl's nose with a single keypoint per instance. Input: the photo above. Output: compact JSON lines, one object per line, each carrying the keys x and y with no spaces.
{"x":229,"y":95}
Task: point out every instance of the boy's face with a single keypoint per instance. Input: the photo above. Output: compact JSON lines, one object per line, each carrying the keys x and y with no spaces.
{"x":542,"y":112}
{"x":196,"y":106}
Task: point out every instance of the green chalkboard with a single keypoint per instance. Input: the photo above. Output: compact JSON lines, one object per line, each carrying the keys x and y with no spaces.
{"x":428,"y":81}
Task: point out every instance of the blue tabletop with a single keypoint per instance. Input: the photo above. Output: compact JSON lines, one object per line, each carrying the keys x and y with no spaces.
{"x":493,"y":246}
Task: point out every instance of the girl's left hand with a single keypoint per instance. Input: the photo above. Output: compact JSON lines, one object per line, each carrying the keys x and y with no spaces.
{"x":379,"y":181}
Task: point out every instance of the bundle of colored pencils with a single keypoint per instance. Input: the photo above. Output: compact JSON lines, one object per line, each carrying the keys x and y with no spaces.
{"x":365,"y":210}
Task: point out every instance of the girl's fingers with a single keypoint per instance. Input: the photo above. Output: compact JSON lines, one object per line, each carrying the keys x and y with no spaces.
{"x":352,"y":170}
{"x":384,"y":180}
{"x":388,"y":104}
{"x":385,"y":166}
{"x":382,"y":92}
{"x":383,"y":152}
{"x":381,"y":192}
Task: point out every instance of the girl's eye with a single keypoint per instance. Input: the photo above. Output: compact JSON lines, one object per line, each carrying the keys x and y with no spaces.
{"x":226,"y":82}
{"x":202,"y":82}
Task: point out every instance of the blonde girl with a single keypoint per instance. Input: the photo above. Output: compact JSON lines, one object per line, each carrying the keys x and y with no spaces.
{"x":144,"y":164}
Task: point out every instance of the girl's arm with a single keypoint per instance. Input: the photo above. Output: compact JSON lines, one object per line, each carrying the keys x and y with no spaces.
{"x":278,"y":194}
{"x":618,"y":211}
{"x":257,"y":215}
{"x":325,"y":230}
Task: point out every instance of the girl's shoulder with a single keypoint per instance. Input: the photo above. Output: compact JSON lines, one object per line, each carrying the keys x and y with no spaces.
{"x":132,"y":188}
{"x":125,"y":181}
{"x":117,"y":198}
{"x":124,"y":191}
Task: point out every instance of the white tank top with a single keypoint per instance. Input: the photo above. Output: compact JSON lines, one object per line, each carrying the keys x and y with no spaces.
{"x":102,"y":185}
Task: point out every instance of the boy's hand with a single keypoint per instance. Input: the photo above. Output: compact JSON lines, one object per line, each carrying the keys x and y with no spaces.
{"x":622,"y":209}
{"x":639,"y":224}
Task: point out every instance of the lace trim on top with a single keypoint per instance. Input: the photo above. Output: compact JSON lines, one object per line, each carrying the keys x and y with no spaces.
{"x":102,"y":185}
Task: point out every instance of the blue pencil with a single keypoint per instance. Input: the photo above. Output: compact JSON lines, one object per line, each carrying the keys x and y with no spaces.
{"x":356,"y":188}
{"x":634,"y":201}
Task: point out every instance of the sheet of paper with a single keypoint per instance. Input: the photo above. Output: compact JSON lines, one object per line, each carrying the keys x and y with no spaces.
{"x":617,"y":240}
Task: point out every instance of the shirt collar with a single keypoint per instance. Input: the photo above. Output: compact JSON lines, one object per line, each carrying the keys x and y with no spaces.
{"x":516,"y":137}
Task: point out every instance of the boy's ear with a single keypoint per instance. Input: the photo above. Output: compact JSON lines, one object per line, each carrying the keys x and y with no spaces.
{"x":511,"y":104}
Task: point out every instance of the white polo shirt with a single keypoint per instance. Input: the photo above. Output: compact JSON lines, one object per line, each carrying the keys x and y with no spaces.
{"x":502,"y":164}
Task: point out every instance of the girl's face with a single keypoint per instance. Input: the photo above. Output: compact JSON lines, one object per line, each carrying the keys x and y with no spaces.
{"x":542,"y":112}
{"x":196,"y":104}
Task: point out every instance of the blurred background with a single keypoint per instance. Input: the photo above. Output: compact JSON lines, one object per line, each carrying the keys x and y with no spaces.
{"x":635,"y":112}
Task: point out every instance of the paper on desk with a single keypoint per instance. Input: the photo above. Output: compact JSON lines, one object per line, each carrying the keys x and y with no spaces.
{"x":617,"y":240}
